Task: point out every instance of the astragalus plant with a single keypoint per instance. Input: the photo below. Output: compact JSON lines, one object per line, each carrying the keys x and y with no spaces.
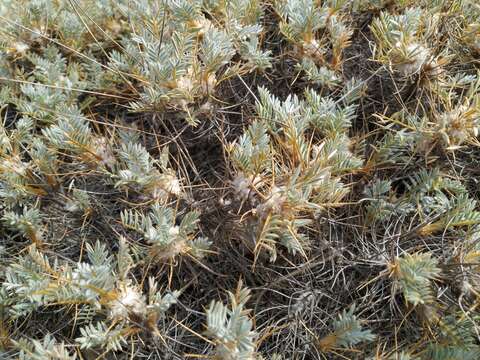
{"x":318,"y":33}
{"x":289,"y":165}
{"x":239,"y":179}
{"x":402,"y":41}
{"x":179,"y":55}
{"x":101,"y":285}
{"x":161,"y":54}
{"x":231,"y":327}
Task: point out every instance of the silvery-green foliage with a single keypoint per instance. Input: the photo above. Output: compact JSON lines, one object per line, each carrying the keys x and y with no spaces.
{"x":414,"y":274}
{"x":159,"y":229}
{"x":28,"y":222}
{"x":71,"y":132}
{"x":34,"y":280}
{"x":403,"y":40}
{"x":14,"y":170}
{"x":380,"y":204}
{"x":318,"y":75}
{"x":79,"y":201}
{"x":159,"y":303}
{"x":304,"y":176}
{"x":182,"y":56}
{"x":231,"y":328}
{"x":100,"y":284}
{"x":348,"y":329}
{"x":318,"y":33}
{"x":100,"y":336}
{"x":47,"y":348}
{"x":241,"y":21}
{"x":138,"y":170}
